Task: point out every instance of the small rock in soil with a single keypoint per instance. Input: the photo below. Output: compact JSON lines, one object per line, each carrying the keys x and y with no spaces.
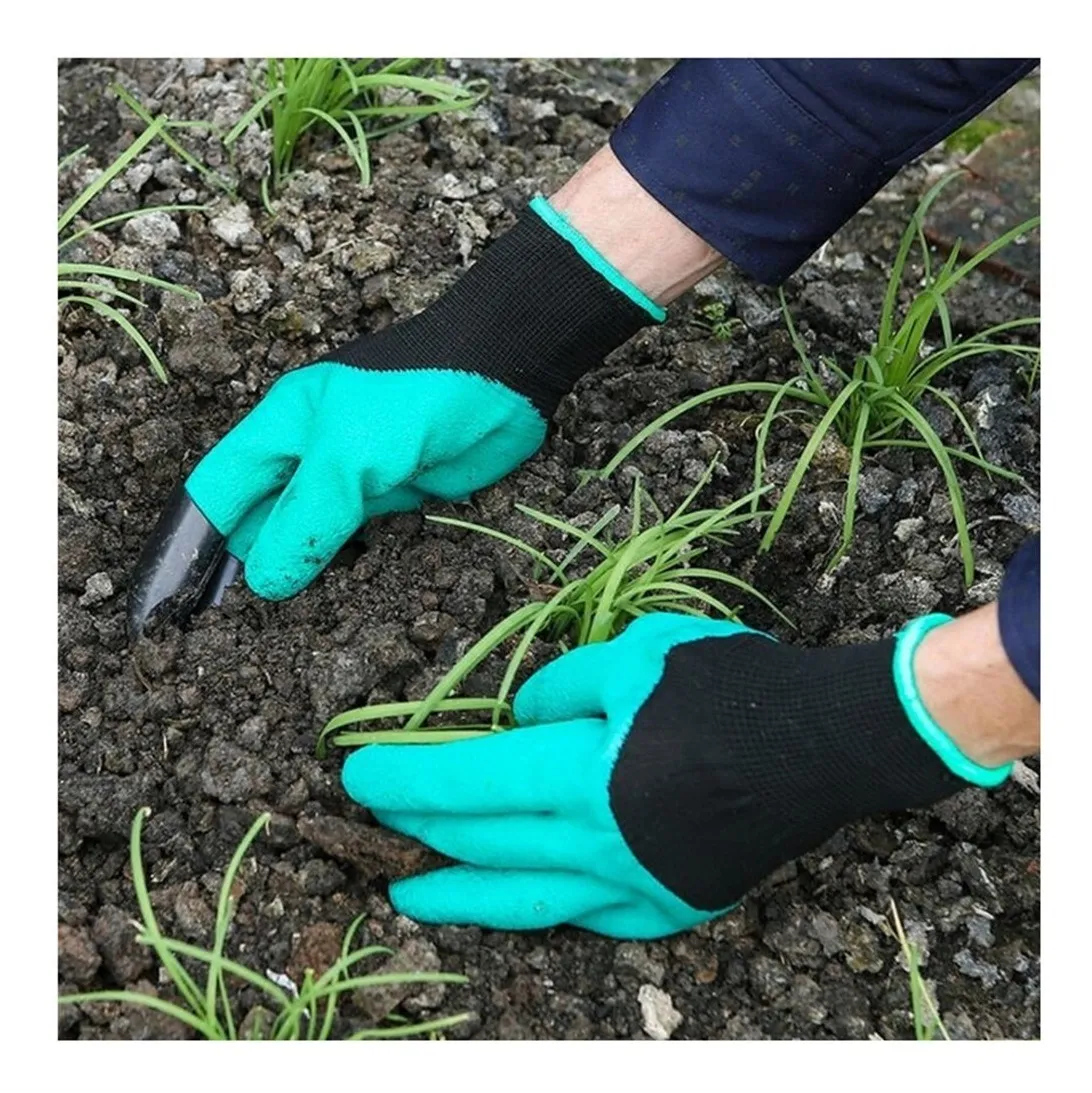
{"x":153,"y":229}
{"x":875,"y":488}
{"x":769,"y":978}
{"x":156,"y":439}
{"x":250,"y":291}
{"x":1024,"y":509}
{"x":374,"y":851}
{"x":318,"y":947}
{"x":907,"y":529}
{"x":806,"y":1000}
{"x":192,"y":914}
{"x":235,"y":227}
{"x":341,"y":677}
{"x":320,"y":878}
{"x":827,"y":931}
{"x":632,"y":958}
{"x":231,"y":775}
{"x":98,"y":588}
{"x":862,"y":948}
{"x":77,"y":957}
{"x":144,"y":1023}
{"x":115,"y":934}
{"x":977,"y":969}
{"x":416,"y":955}
{"x":253,"y":733}
{"x":659,"y":1017}
{"x":201,"y":344}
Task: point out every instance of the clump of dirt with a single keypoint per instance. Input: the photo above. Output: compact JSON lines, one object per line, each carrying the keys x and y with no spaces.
{"x":212,"y":725}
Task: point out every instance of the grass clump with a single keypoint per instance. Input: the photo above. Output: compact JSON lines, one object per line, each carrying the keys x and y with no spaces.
{"x":874,"y":403}
{"x":100,"y":287}
{"x":926,"y":1015}
{"x":360,"y":100}
{"x":306,"y":1012}
{"x":644,"y":570}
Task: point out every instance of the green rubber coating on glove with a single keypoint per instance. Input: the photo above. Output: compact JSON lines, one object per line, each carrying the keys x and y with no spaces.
{"x":331,"y":446}
{"x":906,"y":645}
{"x":528,"y":810}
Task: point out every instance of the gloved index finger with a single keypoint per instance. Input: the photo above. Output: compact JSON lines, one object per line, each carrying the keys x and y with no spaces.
{"x":540,"y":769}
{"x":570,"y":686}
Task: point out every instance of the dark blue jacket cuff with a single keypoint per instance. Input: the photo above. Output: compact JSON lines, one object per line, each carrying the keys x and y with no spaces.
{"x":1018,"y":613}
{"x":766,"y":159}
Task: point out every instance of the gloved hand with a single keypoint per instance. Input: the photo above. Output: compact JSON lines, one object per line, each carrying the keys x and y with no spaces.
{"x":659,"y":776}
{"x":439,"y":405}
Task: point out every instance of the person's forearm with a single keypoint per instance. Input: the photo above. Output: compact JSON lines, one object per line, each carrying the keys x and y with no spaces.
{"x":633,"y":231}
{"x":972,"y":691}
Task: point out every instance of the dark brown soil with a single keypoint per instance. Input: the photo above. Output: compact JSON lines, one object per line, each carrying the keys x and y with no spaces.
{"x":210,"y":726}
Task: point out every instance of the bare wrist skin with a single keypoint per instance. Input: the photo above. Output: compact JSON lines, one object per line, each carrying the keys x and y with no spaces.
{"x":971,"y":690}
{"x":633,"y":231}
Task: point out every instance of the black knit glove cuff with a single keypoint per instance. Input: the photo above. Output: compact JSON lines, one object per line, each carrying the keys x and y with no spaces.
{"x":750,"y":753}
{"x":537,"y":310}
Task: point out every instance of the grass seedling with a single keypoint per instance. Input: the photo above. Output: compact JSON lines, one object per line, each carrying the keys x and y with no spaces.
{"x":99,"y":287}
{"x":306,"y":1012}
{"x":927,"y":1022}
{"x":360,"y":100}
{"x":874,"y":404}
{"x":644,"y":570}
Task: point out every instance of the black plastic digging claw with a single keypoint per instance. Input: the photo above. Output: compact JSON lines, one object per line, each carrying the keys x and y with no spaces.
{"x":183,"y":568}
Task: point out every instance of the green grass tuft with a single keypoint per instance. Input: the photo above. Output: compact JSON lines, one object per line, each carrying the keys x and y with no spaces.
{"x":643,"y":570}
{"x":97,"y":287}
{"x":307,"y":1012}
{"x":874,"y":404}
{"x":360,"y":100}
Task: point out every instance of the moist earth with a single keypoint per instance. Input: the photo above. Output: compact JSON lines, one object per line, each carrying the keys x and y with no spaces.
{"x":211,"y":725}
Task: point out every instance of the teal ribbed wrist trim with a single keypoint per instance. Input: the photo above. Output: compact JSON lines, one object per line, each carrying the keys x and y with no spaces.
{"x":594,"y":259}
{"x":907,"y":641}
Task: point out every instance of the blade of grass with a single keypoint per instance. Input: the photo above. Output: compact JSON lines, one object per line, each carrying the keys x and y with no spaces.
{"x":116,"y":316}
{"x":756,"y":387}
{"x":179,"y":976}
{"x":224,"y":913}
{"x":471,"y":659}
{"x":149,"y":1001}
{"x":855,"y":453}
{"x":940,"y":453}
{"x":802,"y":464}
{"x":410,"y":1030}
{"x":92,"y":191}
{"x":65,"y":269}
{"x":511,"y":540}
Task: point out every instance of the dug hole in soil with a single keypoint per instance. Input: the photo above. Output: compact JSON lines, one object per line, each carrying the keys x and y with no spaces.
{"x":211,"y":725}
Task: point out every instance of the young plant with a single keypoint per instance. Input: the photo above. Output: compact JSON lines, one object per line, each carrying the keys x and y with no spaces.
{"x":713,"y":318}
{"x":306,"y":1012}
{"x":646,"y":570}
{"x":874,"y":404}
{"x":99,"y":287}
{"x":927,"y":1022}
{"x":360,"y":100}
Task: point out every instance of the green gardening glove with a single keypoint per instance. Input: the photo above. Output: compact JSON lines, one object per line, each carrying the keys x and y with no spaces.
{"x":660,"y":776}
{"x":439,"y":405}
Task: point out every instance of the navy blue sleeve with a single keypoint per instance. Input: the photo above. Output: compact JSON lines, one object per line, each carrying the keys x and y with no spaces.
{"x":1018,"y":613}
{"x":767,"y":159}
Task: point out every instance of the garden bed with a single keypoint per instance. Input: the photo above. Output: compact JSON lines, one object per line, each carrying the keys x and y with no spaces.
{"x":212,"y":725}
